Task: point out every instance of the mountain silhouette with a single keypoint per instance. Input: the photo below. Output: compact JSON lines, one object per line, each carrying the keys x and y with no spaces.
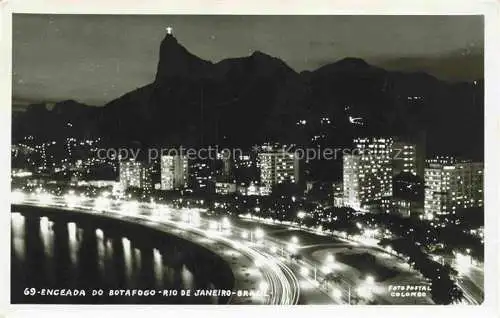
{"x":259,"y":98}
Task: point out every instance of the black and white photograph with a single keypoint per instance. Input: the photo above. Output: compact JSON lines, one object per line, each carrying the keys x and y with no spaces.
{"x":229,"y":159}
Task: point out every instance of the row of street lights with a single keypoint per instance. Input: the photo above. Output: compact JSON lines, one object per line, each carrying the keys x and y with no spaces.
{"x":364,"y":290}
{"x":103,"y":203}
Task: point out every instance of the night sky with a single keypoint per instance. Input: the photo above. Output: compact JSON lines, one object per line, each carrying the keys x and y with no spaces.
{"x":94,"y":59}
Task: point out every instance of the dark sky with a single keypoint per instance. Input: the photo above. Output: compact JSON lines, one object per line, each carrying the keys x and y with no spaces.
{"x":96,"y":58}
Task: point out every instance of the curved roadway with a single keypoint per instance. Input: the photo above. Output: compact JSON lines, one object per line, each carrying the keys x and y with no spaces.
{"x":281,"y":285}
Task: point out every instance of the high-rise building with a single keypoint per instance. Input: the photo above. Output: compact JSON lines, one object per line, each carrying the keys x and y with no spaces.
{"x":278,"y":166}
{"x":174,"y":172}
{"x":408,"y":154}
{"x":441,"y":160}
{"x":338,"y":194}
{"x":202,"y":176}
{"x":227,"y":171}
{"x":367,"y":172}
{"x":352,"y":170}
{"x":146,"y":178}
{"x":401,"y":207}
{"x":404,"y":158}
{"x":134,"y":175}
{"x":225,"y":188}
{"x":408,"y":186}
{"x":450,"y":185}
{"x":253,"y":189}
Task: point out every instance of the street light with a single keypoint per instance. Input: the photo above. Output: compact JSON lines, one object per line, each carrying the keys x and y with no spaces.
{"x":304,"y":271}
{"x":292,"y":248}
{"x":130,"y":208}
{"x":259,"y":233}
{"x":71,"y":199}
{"x":45,"y":198}
{"x":18,"y":196}
{"x":365,"y":290}
{"x":327,"y":269}
{"x":336,"y":293}
{"x":263,"y":287}
{"x":213,"y":225}
{"x":185,"y":217}
{"x":193,"y":217}
{"x":330,"y":258}
{"x":258,"y":262}
{"x":164,"y":210}
{"x":101,"y":204}
{"x":370,"y":280}
{"x":226,"y":224}
{"x":463,"y":263}
{"x":301,"y":215}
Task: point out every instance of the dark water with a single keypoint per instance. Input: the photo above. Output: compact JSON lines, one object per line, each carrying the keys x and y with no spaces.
{"x":57,"y":250}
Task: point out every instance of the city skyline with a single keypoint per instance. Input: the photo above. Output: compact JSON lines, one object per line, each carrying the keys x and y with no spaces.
{"x":119,"y":65}
{"x":248,"y":160}
{"x":372,"y":213}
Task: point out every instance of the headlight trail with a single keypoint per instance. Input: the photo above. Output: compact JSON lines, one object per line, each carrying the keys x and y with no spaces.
{"x":281,"y":283}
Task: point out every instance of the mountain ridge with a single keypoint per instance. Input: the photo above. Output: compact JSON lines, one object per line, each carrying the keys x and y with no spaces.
{"x":259,"y":98}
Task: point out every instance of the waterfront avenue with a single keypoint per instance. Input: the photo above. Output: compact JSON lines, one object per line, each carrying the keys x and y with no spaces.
{"x":278,"y":263}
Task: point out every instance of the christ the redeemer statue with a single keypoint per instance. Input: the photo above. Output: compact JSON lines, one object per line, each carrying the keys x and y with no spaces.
{"x":169,"y":30}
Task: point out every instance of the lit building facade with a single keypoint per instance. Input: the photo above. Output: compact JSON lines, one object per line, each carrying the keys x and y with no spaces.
{"x":450,"y":186}
{"x":225,"y":188}
{"x":278,"y":166}
{"x":404,"y":158}
{"x":338,"y":194}
{"x":174,"y":172}
{"x":351,"y":176}
{"x":134,"y":175}
{"x":146,"y":178}
{"x":441,"y":160}
{"x":227,"y":169}
{"x":367,"y":172}
{"x":202,"y":176}
{"x":400,"y":206}
{"x":252,"y":189}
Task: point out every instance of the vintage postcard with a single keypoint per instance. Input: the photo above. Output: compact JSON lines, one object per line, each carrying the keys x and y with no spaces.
{"x":247,"y":159}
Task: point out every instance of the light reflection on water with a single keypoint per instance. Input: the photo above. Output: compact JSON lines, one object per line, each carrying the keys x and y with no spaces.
{"x":187,"y":277}
{"x":127,"y":254}
{"x":73,"y":243}
{"x":158,"y":266}
{"x":47,"y":234}
{"x":52,"y":253}
{"x":137,"y":259}
{"x":101,"y":250}
{"x":17,"y":223}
